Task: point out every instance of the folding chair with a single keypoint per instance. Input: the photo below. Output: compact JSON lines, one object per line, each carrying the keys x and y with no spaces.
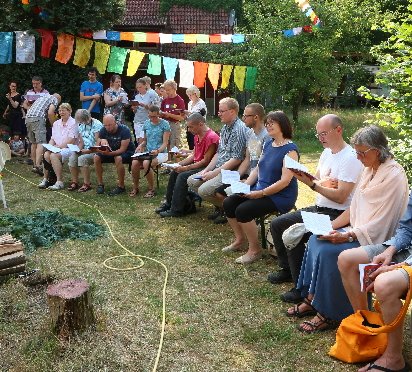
{"x":5,"y":154}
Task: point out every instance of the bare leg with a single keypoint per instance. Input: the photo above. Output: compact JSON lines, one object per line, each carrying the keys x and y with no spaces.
{"x":136,"y":174}
{"x":348,"y":263}
{"x":57,"y":166}
{"x":86,"y":174}
{"x":120,"y":170}
{"x":303,"y":306}
{"x":47,"y":158}
{"x":389,"y":288}
{"x":74,"y":171}
{"x":33,"y":154}
{"x":237,"y":230}
{"x":38,"y":153}
{"x":251,"y":232}
{"x":219,"y":200}
{"x":99,"y":169}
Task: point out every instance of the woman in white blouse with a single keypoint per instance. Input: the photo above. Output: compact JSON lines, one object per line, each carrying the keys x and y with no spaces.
{"x":196,"y":104}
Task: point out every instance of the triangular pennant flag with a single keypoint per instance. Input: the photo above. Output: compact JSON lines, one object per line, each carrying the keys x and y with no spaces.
{"x":297,"y":31}
{"x":47,"y":40}
{"x":6,"y":47}
{"x":200,"y":73}
{"x":239,"y":77}
{"x":65,"y":44}
{"x":135,"y":59}
{"x":155,"y":65}
{"x":82,"y":52}
{"x":288,"y":33}
{"x":250,"y":81}
{"x":101,"y":56}
{"x":226,"y":73}
{"x":25,"y":47}
{"x":117,"y":59}
{"x":213,"y":72}
{"x":187,"y":73}
{"x":170,"y":66}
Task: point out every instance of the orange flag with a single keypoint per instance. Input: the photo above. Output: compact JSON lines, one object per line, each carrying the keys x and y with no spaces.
{"x":213,"y":72}
{"x":128,"y":36}
{"x":200,"y":74}
{"x":65,"y":44}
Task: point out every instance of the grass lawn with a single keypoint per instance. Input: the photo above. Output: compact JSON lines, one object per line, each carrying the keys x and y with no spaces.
{"x":220,"y":316}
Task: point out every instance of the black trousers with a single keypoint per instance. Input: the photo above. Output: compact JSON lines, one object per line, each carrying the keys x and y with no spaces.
{"x":291,"y":260}
{"x":246,"y":210}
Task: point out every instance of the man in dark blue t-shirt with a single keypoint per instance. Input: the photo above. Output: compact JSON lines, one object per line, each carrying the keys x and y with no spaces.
{"x":119,"y":140}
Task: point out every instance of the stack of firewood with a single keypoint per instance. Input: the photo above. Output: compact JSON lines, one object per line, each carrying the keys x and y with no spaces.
{"x":12,"y":258}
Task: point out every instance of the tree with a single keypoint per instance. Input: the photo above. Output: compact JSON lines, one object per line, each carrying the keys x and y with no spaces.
{"x":395,"y":110}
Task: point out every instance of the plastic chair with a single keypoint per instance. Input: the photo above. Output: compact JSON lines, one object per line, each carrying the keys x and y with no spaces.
{"x":5,"y":154}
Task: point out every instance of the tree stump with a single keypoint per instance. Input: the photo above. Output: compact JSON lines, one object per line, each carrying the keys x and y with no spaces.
{"x":70,"y":306}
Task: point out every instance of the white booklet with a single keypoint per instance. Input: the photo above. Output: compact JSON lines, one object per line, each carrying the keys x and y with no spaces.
{"x":137,"y":154}
{"x":240,"y":188}
{"x":294,"y":165}
{"x":229,"y":176}
{"x":174,"y":149}
{"x":51,"y":148}
{"x":318,"y":224}
{"x":170,"y":165}
{"x":73,"y":148}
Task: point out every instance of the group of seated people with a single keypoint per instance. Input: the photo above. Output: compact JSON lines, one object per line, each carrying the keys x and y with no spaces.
{"x":360,"y":186}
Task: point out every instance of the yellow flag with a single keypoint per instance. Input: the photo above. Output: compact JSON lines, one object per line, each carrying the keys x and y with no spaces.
{"x":101,"y":56}
{"x":239,"y":74}
{"x":226,"y":73}
{"x":135,"y":59}
{"x":213,"y":72}
{"x":190,"y":38}
{"x":82,"y":53}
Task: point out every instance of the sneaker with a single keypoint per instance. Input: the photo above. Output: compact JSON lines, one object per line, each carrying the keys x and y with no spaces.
{"x":56,"y":186}
{"x":169,"y":213}
{"x":117,"y":191}
{"x":281,"y":276}
{"x":43,"y":184}
{"x":29,"y":162}
{"x":221,"y":219}
{"x":163,"y":208}
{"x":100,"y":189}
{"x":293,"y":296}
{"x":215,"y":214}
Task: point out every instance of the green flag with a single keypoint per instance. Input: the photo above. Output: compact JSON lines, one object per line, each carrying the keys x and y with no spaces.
{"x":155,"y":65}
{"x":251,"y":74}
{"x":116,"y":60}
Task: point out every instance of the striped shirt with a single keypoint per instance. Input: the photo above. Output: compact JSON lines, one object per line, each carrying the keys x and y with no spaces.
{"x":40,"y":107}
{"x":232,"y":144}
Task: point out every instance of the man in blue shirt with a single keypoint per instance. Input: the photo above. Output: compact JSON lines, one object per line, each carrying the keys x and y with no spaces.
{"x":90,"y":93}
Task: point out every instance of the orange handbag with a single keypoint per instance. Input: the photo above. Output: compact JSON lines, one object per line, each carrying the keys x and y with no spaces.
{"x":362,"y":336}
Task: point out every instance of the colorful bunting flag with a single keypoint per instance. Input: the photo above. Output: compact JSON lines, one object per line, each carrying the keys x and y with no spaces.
{"x":165,"y":38}
{"x":135,"y":59}
{"x":47,"y":41}
{"x":152,"y":37}
{"x":155,"y":65}
{"x":99,"y":35}
{"x":213,"y":72}
{"x":101,"y":56}
{"x":200,"y":73}
{"x":6,"y":47}
{"x":65,"y":44}
{"x":238,"y":38}
{"x":117,"y":59}
{"x":113,"y":35}
{"x":178,"y":38}
{"x":226,"y":73}
{"x":170,"y":66}
{"x":239,"y":77}
{"x":190,"y":39}
{"x":187,"y":73}
{"x":127,"y":36}
{"x":82,"y":52}
{"x":226,"y":38}
{"x":215,"y":39}
{"x":202,"y":39}
{"x":288,"y":33}
{"x":25,"y":47}
{"x":250,"y":81}
{"x":140,"y":37}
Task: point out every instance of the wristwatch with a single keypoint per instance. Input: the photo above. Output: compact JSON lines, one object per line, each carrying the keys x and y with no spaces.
{"x":350,"y":238}
{"x":313,"y":186}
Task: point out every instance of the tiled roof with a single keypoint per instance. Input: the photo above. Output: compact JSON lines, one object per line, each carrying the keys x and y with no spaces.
{"x":141,"y":13}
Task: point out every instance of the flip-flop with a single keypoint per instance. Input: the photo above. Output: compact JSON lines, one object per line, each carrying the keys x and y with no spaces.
{"x":150,"y":194}
{"x":133,"y":193}
{"x":73,"y":186}
{"x":85,"y":187}
{"x":324,"y":324}
{"x":384,"y":369}
{"x":301,"y":314}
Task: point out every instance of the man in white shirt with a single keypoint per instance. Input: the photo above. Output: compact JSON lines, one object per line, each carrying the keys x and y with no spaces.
{"x":338,"y":172}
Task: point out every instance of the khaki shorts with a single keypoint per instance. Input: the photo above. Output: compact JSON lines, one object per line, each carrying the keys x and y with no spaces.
{"x":36,"y":130}
{"x":175,"y":134}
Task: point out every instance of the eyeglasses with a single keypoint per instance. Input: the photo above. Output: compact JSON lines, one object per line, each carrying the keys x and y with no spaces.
{"x":270,"y":123}
{"x":246,"y":116}
{"x":363,"y":153}
{"x":323,"y":134}
{"x":223,"y":111}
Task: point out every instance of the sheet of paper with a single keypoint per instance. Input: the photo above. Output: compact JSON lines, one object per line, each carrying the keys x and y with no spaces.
{"x":171,"y":165}
{"x":137,"y":154}
{"x":318,"y":224}
{"x":294,"y":165}
{"x":51,"y":148}
{"x":174,"y":149}
{"x":229,"y":176}
{"x":240,"y":188}
{"x":73,"y":148}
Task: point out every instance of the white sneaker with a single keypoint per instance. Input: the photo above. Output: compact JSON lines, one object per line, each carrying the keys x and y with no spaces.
{"x":57,"y":186}
{"x":43,"y":184}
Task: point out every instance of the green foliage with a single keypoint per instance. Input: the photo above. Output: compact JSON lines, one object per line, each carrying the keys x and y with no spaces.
{"x":395,"y":110}
{"x":43,"y":228}
{"x":72,"y":16}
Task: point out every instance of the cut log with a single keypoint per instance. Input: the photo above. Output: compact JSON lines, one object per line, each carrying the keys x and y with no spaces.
{"x":13,"y":259}
{"x":70,"y":306}
{"x":10,"y":248}
{"x":12,"y":270}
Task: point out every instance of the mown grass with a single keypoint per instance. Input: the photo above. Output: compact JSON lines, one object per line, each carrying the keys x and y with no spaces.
{"x":219,"y":316}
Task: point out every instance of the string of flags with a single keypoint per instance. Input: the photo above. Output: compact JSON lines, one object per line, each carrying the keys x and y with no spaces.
{"x":112,"y":59}
{"x":305,"y":7}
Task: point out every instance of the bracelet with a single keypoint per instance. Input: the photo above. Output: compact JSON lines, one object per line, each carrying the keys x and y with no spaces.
{"x":313,"y":186}
{"x":263,"y":192}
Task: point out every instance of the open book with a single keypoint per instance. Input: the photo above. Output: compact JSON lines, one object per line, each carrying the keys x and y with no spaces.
{"x":137,"y":154}
{"x":293,"y":165}
{"x":364,"y":271}
{"x":171,"y":165}
{"x":101,"y":148}
{"x":229,"y":177}
{"x":51,"y":148}
{"x":316,"y":223}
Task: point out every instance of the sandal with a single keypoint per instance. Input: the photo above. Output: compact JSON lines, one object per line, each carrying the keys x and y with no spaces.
{"x":384,"y":369}
{"x":150,"y":194}
{"x":301,"y":314}
{"x":324,"y":324}
{"x":85,"y":187}
{"x":73,"y":186}
{"x":133,"y":193}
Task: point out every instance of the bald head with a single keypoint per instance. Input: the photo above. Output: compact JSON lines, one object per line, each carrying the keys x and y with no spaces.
{"x":329,"y":129}
{"x":331,"y":119}
{"x":109,"y":122}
